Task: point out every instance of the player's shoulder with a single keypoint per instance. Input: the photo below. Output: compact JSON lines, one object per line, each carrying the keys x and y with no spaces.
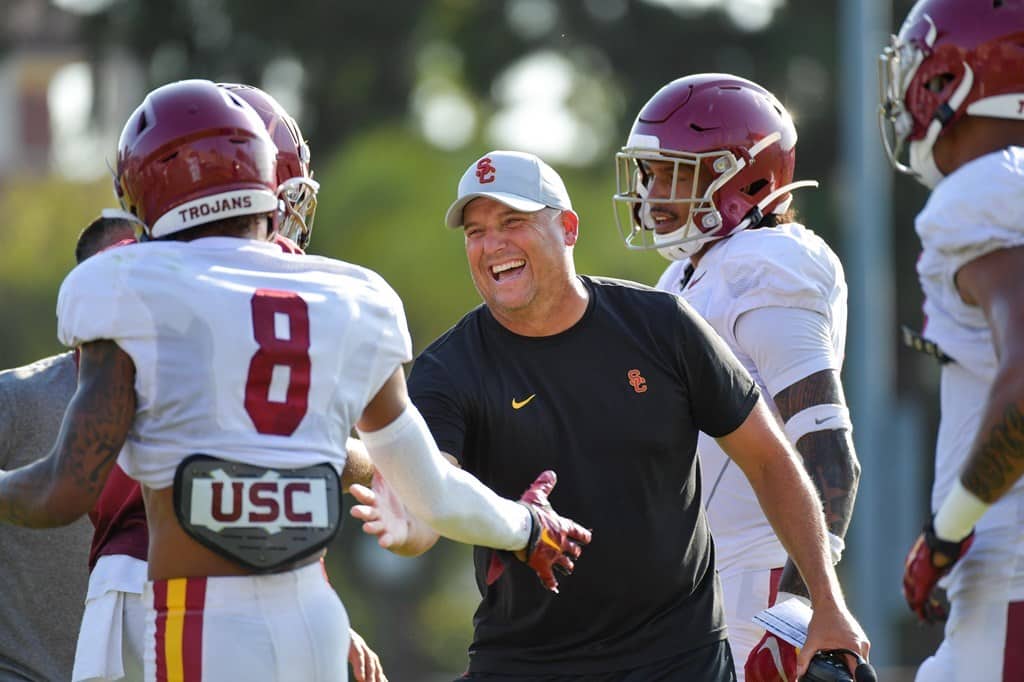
{"x":988,"y":174}
{"x":111,"y":279}
{"x":779,"y":247}
{"x":351,"y":271}
{"x":360,"y":282}
{"x":788,"y":253}
{"x":108,"y":265}
{"x":981,"y":196}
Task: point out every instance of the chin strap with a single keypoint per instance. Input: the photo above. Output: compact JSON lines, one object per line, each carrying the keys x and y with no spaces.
{"x":922,"y":160}
{"x":756,"y":214}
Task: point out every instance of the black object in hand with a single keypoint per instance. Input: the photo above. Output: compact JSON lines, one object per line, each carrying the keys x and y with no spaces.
{"x":829,"y":666}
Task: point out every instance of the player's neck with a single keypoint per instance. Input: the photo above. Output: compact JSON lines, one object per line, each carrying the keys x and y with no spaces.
{"x":696,"y":258}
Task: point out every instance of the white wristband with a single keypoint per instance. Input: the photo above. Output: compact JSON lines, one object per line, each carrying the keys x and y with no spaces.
{"x":823,"y":417}
{"x":958,"y":513}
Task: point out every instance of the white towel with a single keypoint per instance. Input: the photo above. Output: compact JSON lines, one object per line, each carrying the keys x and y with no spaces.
{"x":98,"y":655}
{"x":115,"y":581}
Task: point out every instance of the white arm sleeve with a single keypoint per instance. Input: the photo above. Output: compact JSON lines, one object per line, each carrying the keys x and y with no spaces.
{"x":786,"y":344}
{"x":450,"y":500}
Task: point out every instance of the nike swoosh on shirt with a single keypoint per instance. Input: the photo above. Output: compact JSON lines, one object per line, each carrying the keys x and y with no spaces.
{"x":822,"y":420}
{"x":517,"y":404}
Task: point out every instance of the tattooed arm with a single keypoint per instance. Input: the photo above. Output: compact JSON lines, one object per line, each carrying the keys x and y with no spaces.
{"x":828,"y":456}
{"x":996,"y":459}
{"x":62,"y":486}
{"x":788,"y":499}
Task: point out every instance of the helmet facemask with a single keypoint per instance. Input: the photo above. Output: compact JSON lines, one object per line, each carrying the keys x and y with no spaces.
{"x":298,"y":202}
{"x":633,"y":203}
{"x":897,"y":65}
{"x":704,"y":223}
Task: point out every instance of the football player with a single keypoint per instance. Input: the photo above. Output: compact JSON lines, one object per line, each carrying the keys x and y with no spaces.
{"x":952,"y":115}
{"x":110,"y":641}
{"x":706,"y":178}
{"x":197,"y":356}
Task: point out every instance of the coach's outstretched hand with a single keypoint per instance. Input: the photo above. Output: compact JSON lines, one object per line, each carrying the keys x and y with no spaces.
{"x":929,"y":559}
{"x":555,"y":541}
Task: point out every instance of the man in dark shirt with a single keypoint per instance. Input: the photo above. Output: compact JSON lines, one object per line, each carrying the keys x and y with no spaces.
{"x":608,"y":382}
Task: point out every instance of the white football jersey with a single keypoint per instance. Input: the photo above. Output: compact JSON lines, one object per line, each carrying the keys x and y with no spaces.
{"x":977,"y":209}
{"x":790,"y":267}
{"x":241,"y":351}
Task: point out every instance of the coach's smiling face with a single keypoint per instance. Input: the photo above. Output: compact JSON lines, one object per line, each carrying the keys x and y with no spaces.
{"x":521,"y":262}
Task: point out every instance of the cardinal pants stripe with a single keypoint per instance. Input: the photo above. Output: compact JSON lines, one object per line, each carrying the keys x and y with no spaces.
{"x":773,"y":585}
{"x":160,"y":606}
{"x":1013,"y":652}
{"x":179,"y":629}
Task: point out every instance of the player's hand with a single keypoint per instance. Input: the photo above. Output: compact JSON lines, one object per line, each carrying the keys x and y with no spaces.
{"x":381,"y":512}
{"x":555,"y":541}
{"x":365,"y":663}
{"x":928,"y":560}
{"x":384,"y":515}
{"x":832,"y":627}
{"x":772,"y":660}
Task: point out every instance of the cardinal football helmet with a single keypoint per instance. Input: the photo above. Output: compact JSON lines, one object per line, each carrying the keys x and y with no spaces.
{"x":193,"y":153}
{"x":295,"y":182}
{"x":732,"y":130}
{"x":952,"y":58}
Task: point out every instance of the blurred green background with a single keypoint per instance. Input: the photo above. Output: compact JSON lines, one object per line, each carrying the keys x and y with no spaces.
{"x":397,"y":98}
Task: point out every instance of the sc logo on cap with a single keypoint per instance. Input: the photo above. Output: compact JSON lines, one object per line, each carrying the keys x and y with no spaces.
{"x":485,"y":172}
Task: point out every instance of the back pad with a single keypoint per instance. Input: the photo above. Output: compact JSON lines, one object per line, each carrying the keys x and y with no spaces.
{"x":263,"y":519}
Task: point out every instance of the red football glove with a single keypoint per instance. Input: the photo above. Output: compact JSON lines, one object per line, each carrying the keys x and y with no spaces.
{"x":555,"y":541}
{"x":929,"y":559}
{"x":772,"y":660}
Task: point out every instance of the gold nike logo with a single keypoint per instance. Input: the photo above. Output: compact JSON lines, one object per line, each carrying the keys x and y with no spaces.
{"x":517,"y":404}
{"x":546,"y":538}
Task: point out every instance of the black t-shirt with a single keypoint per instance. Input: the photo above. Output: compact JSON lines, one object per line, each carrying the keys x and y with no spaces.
{"x":613,"y":405}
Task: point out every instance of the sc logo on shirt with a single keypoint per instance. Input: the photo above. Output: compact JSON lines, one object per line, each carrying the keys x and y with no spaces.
{"x":637,"y":381}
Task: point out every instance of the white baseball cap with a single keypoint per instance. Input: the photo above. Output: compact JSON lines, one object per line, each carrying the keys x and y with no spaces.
{"x":518,"y":180}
